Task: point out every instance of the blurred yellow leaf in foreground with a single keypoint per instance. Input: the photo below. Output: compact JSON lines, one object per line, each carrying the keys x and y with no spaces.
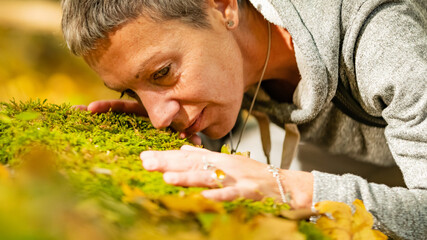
{"x":338,"y":222}
{"x":4,"y":173}
{"x":194,"y":203}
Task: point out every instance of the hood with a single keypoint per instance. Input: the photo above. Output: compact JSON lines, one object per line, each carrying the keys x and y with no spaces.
{"x":315,"y":27}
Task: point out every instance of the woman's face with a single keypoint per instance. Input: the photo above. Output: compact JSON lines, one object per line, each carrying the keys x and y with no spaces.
{"x":187,"y":78}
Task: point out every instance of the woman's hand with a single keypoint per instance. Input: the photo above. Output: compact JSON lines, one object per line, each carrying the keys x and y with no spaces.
{"x":123,"y":106}
{"x":245,"y":177}
{"x":129,"y":107}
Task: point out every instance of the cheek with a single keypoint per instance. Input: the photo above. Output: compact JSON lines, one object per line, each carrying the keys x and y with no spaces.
{"x":202,"y":84}
{"x":215,"y":73}
{"x":227,"y":91}
{"x":221,"y":126}
{"x":225,"y":83}
{"x":223,"y":117}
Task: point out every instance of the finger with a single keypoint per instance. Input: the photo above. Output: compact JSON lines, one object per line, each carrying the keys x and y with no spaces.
{"x":125,"y":106}
{"x":191,"y":179}
{"x":191,"y":148}
{"x":183,"y":135}
{"x":171,"y":161}
{"x":222,"y":194}
{"x":80,"y":107}
{"x":193,"y":138}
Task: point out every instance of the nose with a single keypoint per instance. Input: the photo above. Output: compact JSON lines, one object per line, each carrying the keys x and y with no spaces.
{"x":161,"y":110}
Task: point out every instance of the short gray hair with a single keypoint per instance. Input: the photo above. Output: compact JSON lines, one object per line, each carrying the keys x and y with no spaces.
{"x":85,"y":22}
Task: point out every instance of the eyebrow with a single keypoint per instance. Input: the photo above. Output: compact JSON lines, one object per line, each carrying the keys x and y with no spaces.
{"x":141,"y":68}
{"x":156,"y":56}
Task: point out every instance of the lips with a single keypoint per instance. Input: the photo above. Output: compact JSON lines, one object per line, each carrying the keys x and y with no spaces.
{"x":195,"y":125}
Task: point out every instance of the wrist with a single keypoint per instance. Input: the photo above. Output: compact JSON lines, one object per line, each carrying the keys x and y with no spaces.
{"x":284,"y":196}
{"x":299,"y":186}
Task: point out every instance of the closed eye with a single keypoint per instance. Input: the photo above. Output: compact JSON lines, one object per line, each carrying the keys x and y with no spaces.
{"x":129,"y":93}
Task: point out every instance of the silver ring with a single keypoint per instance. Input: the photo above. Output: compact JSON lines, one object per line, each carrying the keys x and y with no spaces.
{"x":207,"y":165}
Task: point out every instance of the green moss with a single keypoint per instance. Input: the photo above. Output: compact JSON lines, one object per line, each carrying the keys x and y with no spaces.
{"x":95,"y":158}
{"x":311,"y":231}
{"x":87,"y":145}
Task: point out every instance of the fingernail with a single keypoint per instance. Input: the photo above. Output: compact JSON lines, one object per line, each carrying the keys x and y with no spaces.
{"x":91,"y":106}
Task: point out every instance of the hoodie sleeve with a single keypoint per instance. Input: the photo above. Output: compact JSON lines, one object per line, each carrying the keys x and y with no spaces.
{"x":390,"y":68}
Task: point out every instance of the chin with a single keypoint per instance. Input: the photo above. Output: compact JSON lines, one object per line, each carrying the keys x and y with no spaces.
{"x":213,"y":135}
{"x":217,"y":132}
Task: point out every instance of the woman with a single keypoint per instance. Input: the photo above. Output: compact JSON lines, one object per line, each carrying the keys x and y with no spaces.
{"x":188,"y":63}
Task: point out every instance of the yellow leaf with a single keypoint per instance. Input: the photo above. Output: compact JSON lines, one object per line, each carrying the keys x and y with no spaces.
{"x":340,"y":212}
{"x":246,"y":154}
{"x":363,"y":222}
{"x":339,"y":223}
{"x":136,"y":196}
{"x":229,"y":227}
{"x":379,"y":235}
{"x":194,"y":203}
{"x":237,"y":226}
{"x":276,"y":228}
{"x":226,"y":149}
{"x":4,"y":173}
{"x":369,"y":234}
{"x":364,"y":233}
{"x":361,"y":217}
{"x":131,"y":195}
{"x":332,"y":229}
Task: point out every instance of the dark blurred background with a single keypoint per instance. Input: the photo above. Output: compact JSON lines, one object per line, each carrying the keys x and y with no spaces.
{"x":34,"y":59}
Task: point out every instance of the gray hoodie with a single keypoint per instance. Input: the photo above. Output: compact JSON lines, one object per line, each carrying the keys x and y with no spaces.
{"x":379,"y":48}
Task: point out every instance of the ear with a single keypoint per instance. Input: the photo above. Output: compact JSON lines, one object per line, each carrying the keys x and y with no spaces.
{"x":229,"y":10}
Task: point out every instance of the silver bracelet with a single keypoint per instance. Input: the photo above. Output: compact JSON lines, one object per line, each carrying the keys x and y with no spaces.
{"x":286,"y":197}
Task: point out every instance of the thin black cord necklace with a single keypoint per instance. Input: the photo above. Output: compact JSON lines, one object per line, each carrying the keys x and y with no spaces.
{"x":234,"y":150}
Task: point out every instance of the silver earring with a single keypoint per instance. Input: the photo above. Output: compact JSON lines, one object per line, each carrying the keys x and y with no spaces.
{"x":230,"y":23}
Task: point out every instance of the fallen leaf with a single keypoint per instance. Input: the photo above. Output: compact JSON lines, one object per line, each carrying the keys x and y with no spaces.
{"x":194,"y":203}
{"x":4,"y":173}
{"x":338,"y":222}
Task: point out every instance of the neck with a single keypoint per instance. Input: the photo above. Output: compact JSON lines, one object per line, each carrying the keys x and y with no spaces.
{"x":252,"y":36}
{"x":283,"y":64}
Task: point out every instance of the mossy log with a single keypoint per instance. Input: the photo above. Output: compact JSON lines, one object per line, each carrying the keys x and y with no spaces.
{"x":70,"y":174}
